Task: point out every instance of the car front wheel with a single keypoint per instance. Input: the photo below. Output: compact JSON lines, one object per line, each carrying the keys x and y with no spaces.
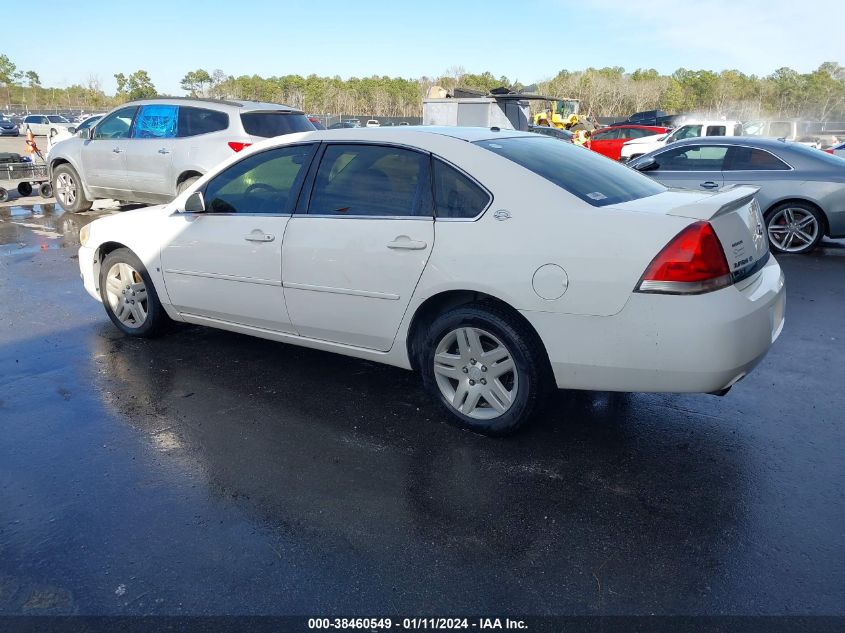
{"x":485,"y":367}
{"x":68,"y":189}
{"x":129,"y":296}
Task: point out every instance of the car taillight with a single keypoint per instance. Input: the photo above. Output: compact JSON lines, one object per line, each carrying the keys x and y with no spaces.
{"x":692,"y":263}
{"x":829,"y":150}
{"x":238,"y":146}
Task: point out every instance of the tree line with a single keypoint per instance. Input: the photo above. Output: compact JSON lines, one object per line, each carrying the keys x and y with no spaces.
{"x":610,"y":91}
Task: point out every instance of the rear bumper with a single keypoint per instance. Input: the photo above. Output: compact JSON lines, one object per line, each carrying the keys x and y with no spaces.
{"x":663,"y":343}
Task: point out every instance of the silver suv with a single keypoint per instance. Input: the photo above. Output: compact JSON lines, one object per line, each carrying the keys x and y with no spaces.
{"x":151,"y":150}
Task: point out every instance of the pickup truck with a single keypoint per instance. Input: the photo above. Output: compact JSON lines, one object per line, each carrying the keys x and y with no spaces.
{"x":639,"y":146}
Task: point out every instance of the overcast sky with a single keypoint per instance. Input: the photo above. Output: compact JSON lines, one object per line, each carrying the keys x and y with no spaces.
{"x":526,"y":40}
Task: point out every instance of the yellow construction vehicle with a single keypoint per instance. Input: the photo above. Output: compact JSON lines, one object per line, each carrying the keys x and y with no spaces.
{"x":563,"y":114}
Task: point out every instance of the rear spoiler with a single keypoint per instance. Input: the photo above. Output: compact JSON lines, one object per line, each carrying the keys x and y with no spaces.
{"x":721,"y":203}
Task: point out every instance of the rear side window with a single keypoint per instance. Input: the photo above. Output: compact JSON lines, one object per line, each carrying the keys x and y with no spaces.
{"x":455,"y":195}
{"x":716,"y":130}
{"x":155,"y":121}
{"x":196,"y":121}
{"x":749,"y":158}
{"x":585,"y":174}
{"x":268,"y":124}
{"x":372,"y":180}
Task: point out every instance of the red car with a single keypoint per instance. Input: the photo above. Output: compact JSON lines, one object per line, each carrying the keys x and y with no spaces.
{"x":609,"y":140}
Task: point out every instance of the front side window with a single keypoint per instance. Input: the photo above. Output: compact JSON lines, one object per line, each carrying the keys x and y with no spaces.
{"x":116,"y":125}
{"x":88,"y":123}
{"x":455,"y":195}
{"x":587,"y":175}
{"x":606,"y":135}
{"x":372,"y":180}
{"x":156,"y":121}
{"x":750,"y":158}
{"x":262,"y":183}
{"x":686,"y":131}
{"x":692,"y":158}
{"x":196,"y":121}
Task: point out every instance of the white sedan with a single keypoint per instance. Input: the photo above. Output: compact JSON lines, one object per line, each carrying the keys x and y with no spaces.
{"x":496,"y":263}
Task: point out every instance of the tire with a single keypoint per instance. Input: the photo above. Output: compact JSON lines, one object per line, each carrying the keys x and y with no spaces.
{"x":24,"y":189}
{"x":4,"y":195}
{"x":185,"y":184}
{"x":45,"y":190}
{"x":68,"y":188}
{"x":121,"y":274}
{"x":794,"y":227}
{"x":484,"y":410}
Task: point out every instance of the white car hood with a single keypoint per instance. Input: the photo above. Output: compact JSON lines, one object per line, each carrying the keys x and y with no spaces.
{"x":646,"y":139}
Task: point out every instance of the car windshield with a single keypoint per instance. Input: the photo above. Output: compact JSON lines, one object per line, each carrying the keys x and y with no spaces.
{"x":585,"y":174}
{"x":268,"y":124}
{"x":56,"y":118}
{"x":88,"y":122}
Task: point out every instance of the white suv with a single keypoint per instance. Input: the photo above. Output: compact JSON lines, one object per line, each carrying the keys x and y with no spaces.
{"x":638,"y":146}
{"x":151,"y":150}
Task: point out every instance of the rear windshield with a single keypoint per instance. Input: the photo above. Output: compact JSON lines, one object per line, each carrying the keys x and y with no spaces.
{"x":817,"y":154}
{"x":267,"y":124}
{"x":583,"y":173}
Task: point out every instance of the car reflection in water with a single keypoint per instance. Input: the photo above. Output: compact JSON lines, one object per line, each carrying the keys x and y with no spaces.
{"x":343,"y":454}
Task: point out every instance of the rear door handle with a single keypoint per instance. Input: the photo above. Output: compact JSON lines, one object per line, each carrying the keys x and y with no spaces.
{"x":163,"y":151}
{"x":258,"y":236}
{"x":709,"y":184}
{"x":403,"y":242}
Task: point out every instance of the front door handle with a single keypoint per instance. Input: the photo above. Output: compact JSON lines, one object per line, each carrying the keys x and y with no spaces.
{"x":709,"y":184}
{"x":259,"y":236}
{"x":163,"y":151}
{"x":404,"y":242}
{"x":117,"y":150}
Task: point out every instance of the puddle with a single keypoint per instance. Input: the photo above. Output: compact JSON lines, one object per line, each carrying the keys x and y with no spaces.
{"x":39,"y":227}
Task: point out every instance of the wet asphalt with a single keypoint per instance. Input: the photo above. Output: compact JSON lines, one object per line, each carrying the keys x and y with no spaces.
{"x":207,"y":473}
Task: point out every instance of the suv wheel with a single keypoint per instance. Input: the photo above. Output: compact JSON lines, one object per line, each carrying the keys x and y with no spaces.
{"x":185,"y":184}
{"x":483,"y":366}
{"x":68,"y":189}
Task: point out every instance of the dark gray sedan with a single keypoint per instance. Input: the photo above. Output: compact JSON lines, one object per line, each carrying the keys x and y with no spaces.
{"x":802,"y":189}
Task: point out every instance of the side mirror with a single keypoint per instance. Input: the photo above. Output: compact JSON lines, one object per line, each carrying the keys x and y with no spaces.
{"x":195,"y":203}
{"x":85,"y":133}
{"x":646,"y":165}
{"x":72,"y":130}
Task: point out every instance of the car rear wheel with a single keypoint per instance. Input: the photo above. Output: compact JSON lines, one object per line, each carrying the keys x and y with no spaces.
{"x":485,"y":368}
{"x":129,"y":296}
{"x":794,"y":227}
{"x":68,"y":189}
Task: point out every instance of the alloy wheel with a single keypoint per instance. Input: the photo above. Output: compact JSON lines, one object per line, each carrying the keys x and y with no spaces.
{"x":476,"y":373}
{"x":793,"y":229}
{"x":66,"y":189}
{"x":127,"y":295}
